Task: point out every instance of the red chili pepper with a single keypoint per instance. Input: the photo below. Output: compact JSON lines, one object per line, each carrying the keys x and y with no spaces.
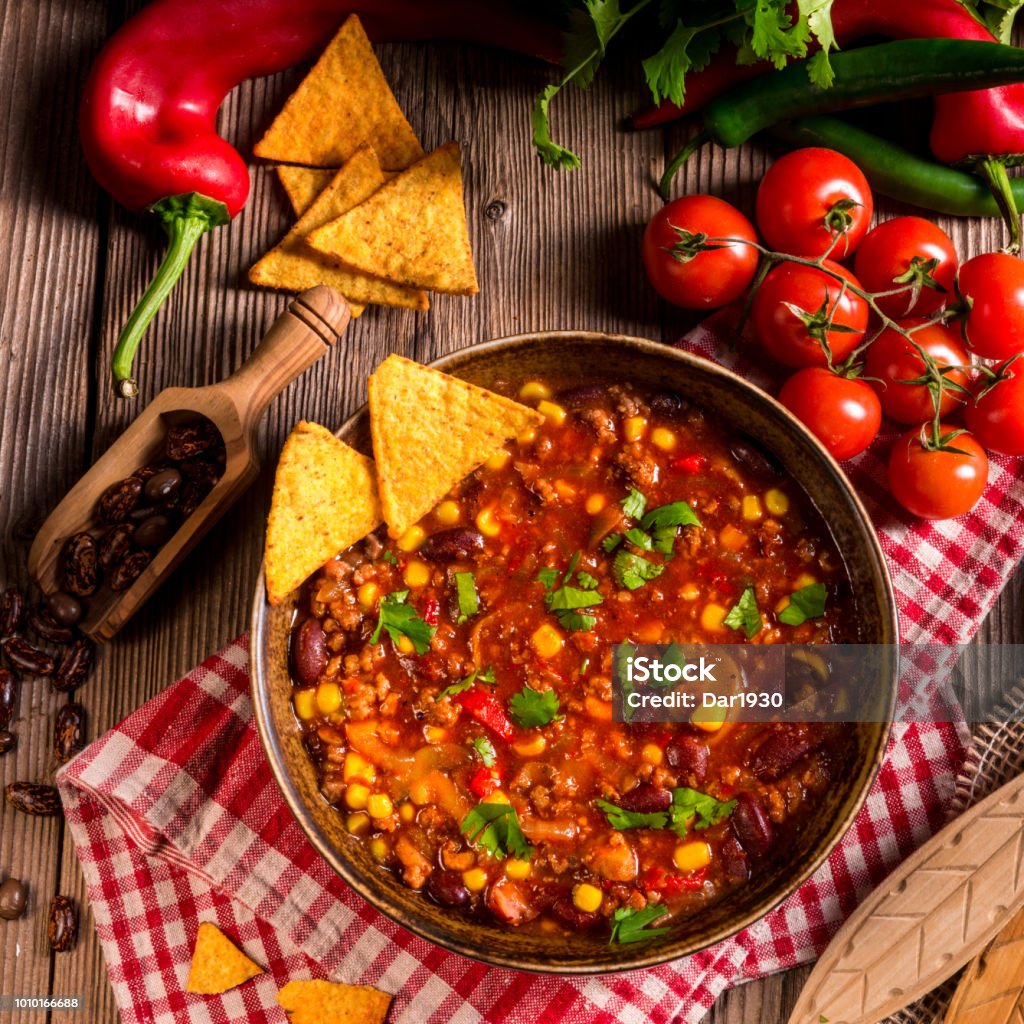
{"x":689,"y":463}
{"x":488,"y":711}
{"x":148,"y":115}
{"x":484,"y":782}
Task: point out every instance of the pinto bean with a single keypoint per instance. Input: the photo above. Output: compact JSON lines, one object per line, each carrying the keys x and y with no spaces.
{"x":751,"y":825}
{"x":781,"y":750}
{"x":455,"y":545}
{"x":309,"y":652}
{"x":688,"y":755}
{"x":645,"y":799}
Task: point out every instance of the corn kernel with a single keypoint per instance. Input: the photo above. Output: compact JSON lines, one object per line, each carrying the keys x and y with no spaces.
{"x":419,"y":793}
{"x":634,"y":427}
{"x":650,"y":632}
{"x":305,"y":704}
{"x":530,"y":747}
{"x":357,"y":767}
{"x":689,"y":592}
{"x":599,"y":710}
{"x":367,"y":596}
{"x":356,"y":796}
{"x":486,"y":522}
{"x":405,"y":645}
{"x":712,"y":616}
{"x":534,"y":391}
{"x":328,"y":698}
{"x":547,"y":641}
{"x":595,"y":503}
{"x":497,"y":797}
{"x":708,"y":719}
{"x":412,"y":538}
{"x":407,"y":812}
{"x":379,"y":805}
{"x":805,"y":579}
{"x":528,"y":436}
{"x":776,"y":501}
{"x":781,"y":605}
{"x":435,"y":734}
{"x":417,"y":574}
{"x":692,"y":856}
{"x":448,"y":512}
{"x":474,"y":879}
{"x":663,"y":439}
{"x":732,"y":539}
{"x":499,"y":460}
{"x":752,"y":510}
{"x":552,"y":412}
{"x":379,"y":848}
{"x":651,"y":753}
{"x":516,"y":868}
{"x":587,"y":897}
{"x":358,"y":824}
{"x":565,"y":490}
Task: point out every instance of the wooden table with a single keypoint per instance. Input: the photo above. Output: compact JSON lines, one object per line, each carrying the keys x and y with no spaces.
{"x":553,"y":250}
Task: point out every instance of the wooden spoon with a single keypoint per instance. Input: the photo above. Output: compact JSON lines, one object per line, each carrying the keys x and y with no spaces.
{"x":992,"y":988}
{"x":941,"y":907}
{"x":303,"y":333}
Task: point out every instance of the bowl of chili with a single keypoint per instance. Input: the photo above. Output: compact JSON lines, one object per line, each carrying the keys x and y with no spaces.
{"x":469,"y":783}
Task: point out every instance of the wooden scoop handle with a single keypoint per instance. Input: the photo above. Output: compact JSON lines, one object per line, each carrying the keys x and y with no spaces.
{"x":307,"y":329}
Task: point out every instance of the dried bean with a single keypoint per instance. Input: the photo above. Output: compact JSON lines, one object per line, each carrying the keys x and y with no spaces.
{"x":67,"y":610}
{"x":12,"y":610}
{"x":187,"y":440}
{"x":162,"y":486}
{"x":33,"y":798}
{"x":688,"y":755}
{"x":114,"y":545}
{"x":448,"y":889}
{"x":68,"y":732}
{"x":309,"y":652}
{"x":21,"y":654}
{"x":645,"y":799}
{"x":143,"y":512}
{"x":75,"y":668}
{"x":192,"y":495}
{"x":46,"y":627}
{"x":129,"y":570}
{"x":751,"y":825}
{"x":62,"y":925}
{"x":153,"y":532}
{"x":8,"y":741}
{"x":452,"y":545}
{"x":81,"y":573}
{"x":118,"y":500}
{"x":8,"y":696}
{"x":13,"y":899}
{"x":200,"y":471}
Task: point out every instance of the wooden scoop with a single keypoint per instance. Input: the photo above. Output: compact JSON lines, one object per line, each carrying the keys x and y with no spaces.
{"x":303,"y":333}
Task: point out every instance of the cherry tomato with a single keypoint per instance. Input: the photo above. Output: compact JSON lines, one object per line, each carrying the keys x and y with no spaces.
{"x":796,"y":204}
{"x":702,"y":280}
{"x":786,"y":335}
{"x":891,"y":358}
{"x":997,"y":417}
{"x":886,"y":254}
{"x":937,"y":484}
{"x":843,"y":413}
{"x":993,"y":283}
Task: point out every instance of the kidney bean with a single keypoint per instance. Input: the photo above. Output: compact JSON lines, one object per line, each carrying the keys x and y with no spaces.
{"x":8,"y":696}
{"x":152,"y":532}
{"x":75,"y":666}
{"x":114,"y":545}
{"x":309,"y":652}
{"x":688,"y":755}
{"x":129,"y":569}
{"x":33,"y":798}
{"x":568,"y":913}
{"x":81,"y":573}
{"x":65,"y":608}
{"x":453,"y":545}
{"x":62,"y":924}
{"x":448,"y":889}
{"x":21,"y":654}
{"x":733,"y":861}
{"x":669,"y":404}
{"x":118,"y":500}
{"x":68,"y":732}
{"x":751,"y":825}
{"x":645,"y":799}
{"x":46,"y":627}
{"x":781,"y":750}
{"x":162,"y":486}
{"x":12,"y":611}
{"x":187,"y":440}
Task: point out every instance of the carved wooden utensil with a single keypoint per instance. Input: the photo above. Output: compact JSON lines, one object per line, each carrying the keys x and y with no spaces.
{"x":992,"y":988}
{"x":303,"y":333}
{"x":941,"y":907}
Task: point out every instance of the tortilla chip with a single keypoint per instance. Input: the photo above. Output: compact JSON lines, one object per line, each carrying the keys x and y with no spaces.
{"x":330,"y":1002}
{"x":325,"y":499}
{"x":429,"y":431}
{"x":343,"y":102}
{"x":217,"y":963}
{"x":293,"y":265}
{"x":413,"y":231}
{"x":303,"y":184}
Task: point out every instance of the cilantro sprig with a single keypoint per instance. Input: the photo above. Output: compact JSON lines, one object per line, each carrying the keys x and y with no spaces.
{"x":629,"y":925}
{"x":565,"y":600}
{"x":495,"y":827}
{"x":806,"y":603}
{"x":745,"y":615}
{"x":693,"y":809}
{"x":485,"y":748}
{"x":530,"y":708}
{"x":621,"y":819}
{"x":478,"y":675}
{"x":632,"y":571}
{"x":400,"y":619}
{"x":655,"y":530}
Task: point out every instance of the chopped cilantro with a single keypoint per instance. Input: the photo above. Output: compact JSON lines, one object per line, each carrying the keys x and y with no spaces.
{"x":691,"y":808}
{"x":495,"y":827}
{"x":629,"y":925}
{"x":532,"y":707}
{"x":400,"y":619}
{"x":548,"y":577}
{"x":639,"y":539}
{"x":389,"y":556}
{"x":465,"y":591}
{"x":485,"y":748}
{"x":585,"y":580}
{"x":480,"y":675}
{"x":745,"y":614}
{"x":632,"y":571}
{"x":806,"y":603}
{"x":565,"y":600}
{"x":576,"y":622}
{"x":634,"y":503}
{"x":664,"y":538}
{"x":678,"y":513}
{"x":619,"y":818}
{"x":611,"y":542}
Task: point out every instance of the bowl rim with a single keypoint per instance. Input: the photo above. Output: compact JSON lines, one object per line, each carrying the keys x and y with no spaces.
{"x":636,"y":958}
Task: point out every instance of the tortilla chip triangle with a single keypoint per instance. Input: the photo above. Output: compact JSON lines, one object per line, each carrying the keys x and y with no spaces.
{"x":429,"y":431}
{"x":303,"y":184}
{"x":325,"y":499}
{"x":413,"y":231}
{"x":343,"y":102}
{"x":328,"y":1002}
{"x":294,"y":266}
{"x":217,"y":963}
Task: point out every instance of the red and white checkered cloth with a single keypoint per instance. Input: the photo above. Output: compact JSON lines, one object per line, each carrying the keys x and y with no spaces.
{"x":177,"y":820}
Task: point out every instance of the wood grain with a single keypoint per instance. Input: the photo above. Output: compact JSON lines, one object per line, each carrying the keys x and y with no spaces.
{"x":552,"y":249}
{"x":991,"y":990}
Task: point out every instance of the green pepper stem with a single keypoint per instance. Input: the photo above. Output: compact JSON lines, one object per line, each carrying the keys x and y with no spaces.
{"x":665,"y":185}
{"x":186,"y":219}
{"x":993,"y":171}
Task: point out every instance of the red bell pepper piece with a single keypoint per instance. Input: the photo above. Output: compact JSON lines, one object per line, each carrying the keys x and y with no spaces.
{"x":657,"y":879}
{"x":431,"y":611}
{"x":689,"y":463}
{"x":484,"y":782}
{"x":149,"y":109}
{"x":488,"y":711}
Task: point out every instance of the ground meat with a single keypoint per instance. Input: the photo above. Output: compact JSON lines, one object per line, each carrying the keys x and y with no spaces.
{"x":641,"y":468}
{"x":626,"y":404}
{"x":602,"y":423}
{"x":536,"y":483}
{"x":416,"y":867}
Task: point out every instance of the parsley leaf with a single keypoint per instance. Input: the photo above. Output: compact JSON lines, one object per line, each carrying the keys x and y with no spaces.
{"x":745,"y":615}
{"x":629,"y":925}
{"x":688,"y":48}
{"x":678,"y":513}
{"x":495,"y":827}
{"x":632,"y":571}
{"x":465,"y":591}
{"x":776,"y":37}
{"x":532,"y":707}
{"x":611,"y":542}
{"x":389,"y":556}
{"x":639,"y":539}
{"x":619,"y":818}
{"x":634,"y":503}
{"x":584,"y":579}
{"x":548,"y":577}
{"x":806,"y":603}
{"x":400,"y":619}
{"x":693,"y":809}
{"x":664,"y":538}
{"x":564,"y":601}
{"x":485,"y":748}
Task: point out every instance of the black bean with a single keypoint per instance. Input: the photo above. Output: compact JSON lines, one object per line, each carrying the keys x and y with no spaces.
{"x":754,"y":458}
{"x":688,"y":755}
{"x":65,"y":608}
{"x":453,"y":545}
{"x":669,"y":404}
{"x":751,"y":825}
{"x":448,"y":889}
{"x":309,"y":652}
{"x":645,"y":799}
{"x":12,"y":611}
{"x":153,"y":532}
{"x":162,"y":486}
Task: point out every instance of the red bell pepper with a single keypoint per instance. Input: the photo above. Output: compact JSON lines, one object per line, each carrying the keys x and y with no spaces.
{"x":694,"y":463}
{"x":484,"y":782}
{"x":488,"y":711}
{"x":148,"y":113}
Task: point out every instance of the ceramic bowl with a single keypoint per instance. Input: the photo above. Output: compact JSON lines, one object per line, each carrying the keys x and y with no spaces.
{"x":740,"y":407}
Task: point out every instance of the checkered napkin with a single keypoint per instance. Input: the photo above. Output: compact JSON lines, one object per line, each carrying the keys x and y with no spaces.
{"x":177,"y":820}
